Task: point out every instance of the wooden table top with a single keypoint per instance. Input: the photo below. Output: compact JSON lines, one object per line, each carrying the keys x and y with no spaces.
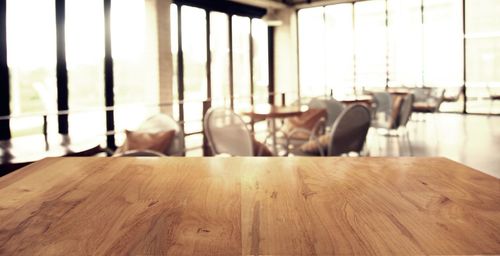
{"x":272,"y":111}
{"x":243,"y":206}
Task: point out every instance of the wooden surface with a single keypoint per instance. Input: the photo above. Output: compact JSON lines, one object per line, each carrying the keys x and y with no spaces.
{"x":243,"y":206}
{"x":361,"y":99}
{"x":270,"y":111}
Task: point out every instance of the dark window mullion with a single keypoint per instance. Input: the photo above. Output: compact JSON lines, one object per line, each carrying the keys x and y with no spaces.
{"x":297,"y":52}
{"x":464,"y":86}
{"x":354,"y":48}
{"x":4,"y":75}
{"x":108,"y":76}
{"x":62,"y":72}
{"x":209,"y":57}
{"x":270,"y":60}
{"x":180,"y":66}
{"x":250,"y":49}
{"x":387,"y":45}
{"x":231,"y":68}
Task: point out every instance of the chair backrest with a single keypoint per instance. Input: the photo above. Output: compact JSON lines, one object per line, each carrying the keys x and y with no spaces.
{"x":332,"y":106}
{"x":406,"y":110}
{"x":383,"y":102}
{"x":452,"y":94}
{"x":421,"y":94}
{"x":349,"y":130}
{"x":162,"y":122}
{"x":227,"y":133}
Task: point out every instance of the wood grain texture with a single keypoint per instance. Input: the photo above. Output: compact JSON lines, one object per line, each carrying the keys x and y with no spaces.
{"x":248,"y":206}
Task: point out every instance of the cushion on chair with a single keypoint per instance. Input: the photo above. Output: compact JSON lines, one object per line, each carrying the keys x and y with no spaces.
{"x":260,"y":147}
{"x":306,"y":120}
{"x":158,"y":141}
{"x":312,"y":147}
{"x":424,"y":107}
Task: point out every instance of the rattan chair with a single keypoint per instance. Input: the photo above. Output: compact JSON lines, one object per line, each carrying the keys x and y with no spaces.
{"x":227,"y":133}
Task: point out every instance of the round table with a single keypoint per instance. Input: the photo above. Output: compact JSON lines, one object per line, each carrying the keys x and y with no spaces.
{"x":361,"y":99}
{"x":272,"y":112}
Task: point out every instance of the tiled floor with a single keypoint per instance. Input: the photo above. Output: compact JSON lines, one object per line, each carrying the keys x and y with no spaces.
{"x":473,"y":140}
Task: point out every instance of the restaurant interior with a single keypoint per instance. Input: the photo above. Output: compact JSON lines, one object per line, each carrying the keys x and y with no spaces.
{"x":72,"y":85}
{"x":270,"y":79}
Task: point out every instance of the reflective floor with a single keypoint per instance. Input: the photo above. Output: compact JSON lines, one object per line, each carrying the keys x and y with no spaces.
{"x":473,"y":140}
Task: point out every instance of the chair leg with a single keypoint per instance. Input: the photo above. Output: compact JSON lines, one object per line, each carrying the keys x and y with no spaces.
{"x":377,"y":137}
{"x":400,"y":145}
{"x":407,"y":135}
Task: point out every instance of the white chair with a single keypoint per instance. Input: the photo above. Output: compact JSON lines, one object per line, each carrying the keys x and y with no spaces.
{"x":227,"y":133}
{"x":162,"y":122}
{"x":159,"y":123}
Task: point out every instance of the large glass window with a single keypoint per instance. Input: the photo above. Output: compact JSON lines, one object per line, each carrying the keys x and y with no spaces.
{"x":260,"y":61}
{"x":370,"y":44}
{"x":411,"y":43}
{"x":135,"y":63}
{"x":312,"y":52}
{"x":219,"y":49}
{"x":195,"y":65}
{"x":340,"y":50}
{"x":31,"y":51}
{"x":443,"y":43}
{"x":245,"y":32}
{"x":84,"y":57}
{"x":405,"y":43}
{"x":241,"y":61}
{"x":174,"y":45}
{"x":483,"y":55}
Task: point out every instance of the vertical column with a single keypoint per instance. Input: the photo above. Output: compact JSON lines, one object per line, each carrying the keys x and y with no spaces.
{"x":208,"y":102}
{"x":250,"y":49}
{"x":270,"y":61}
{"x":297,"y":53}
{"x":464,"y":87}
{"x":180,"y":66}
{"x":108,"y":77}
{"x":159,"y":20}
{"x":231,"y":68}
{"x":61,"y":70}
{"x":285,"y":56}
{"x":4,"y":75}
{"x":354,"y":47}
{"x":209,"y":58}
{"x":423,"y":41}
{"x":387,"y":45}
{"x":206,"y":147}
